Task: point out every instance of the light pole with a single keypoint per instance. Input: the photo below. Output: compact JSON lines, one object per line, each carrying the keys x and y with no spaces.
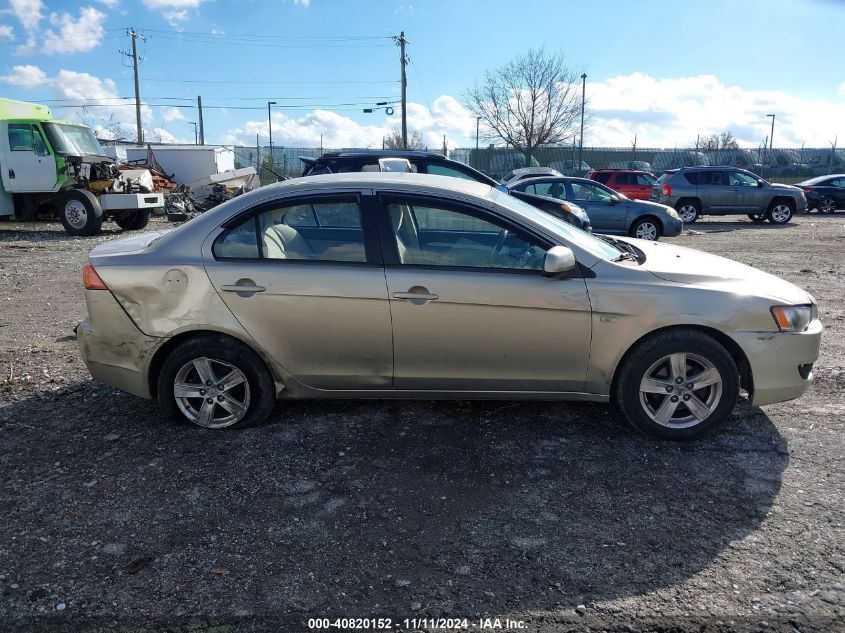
{"x":771,"y":138}
{"x":581,"y":142}
{"x":270,"y":129}
{"x":196,"y":140}
{"x":477,"y":123}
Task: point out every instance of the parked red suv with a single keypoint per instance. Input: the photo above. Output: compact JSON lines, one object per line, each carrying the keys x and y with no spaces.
{"x":633,"y":183}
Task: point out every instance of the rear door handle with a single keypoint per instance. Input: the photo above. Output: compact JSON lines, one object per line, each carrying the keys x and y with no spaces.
{"x":11,"y":173}
{"x":243,"y":287}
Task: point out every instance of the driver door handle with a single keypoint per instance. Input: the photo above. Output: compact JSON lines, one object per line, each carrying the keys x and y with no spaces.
{"x":418,"y":295}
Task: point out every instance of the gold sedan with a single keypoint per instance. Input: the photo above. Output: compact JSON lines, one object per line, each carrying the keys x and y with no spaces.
{"x":378,"y":285}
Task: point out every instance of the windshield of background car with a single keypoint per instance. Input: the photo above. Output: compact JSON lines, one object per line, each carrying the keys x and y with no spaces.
{"x":565,"y":231}
{"x":73,"y":140}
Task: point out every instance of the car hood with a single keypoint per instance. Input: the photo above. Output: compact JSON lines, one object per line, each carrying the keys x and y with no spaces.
{"x":127,"y":245}
{"x":644,"y":205}
{"x":688,"y":266}
{"x":780,"y":185}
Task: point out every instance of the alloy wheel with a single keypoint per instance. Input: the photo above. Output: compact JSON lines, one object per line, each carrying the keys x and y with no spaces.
{"x":211,"y":393}
{"x":687,"y":213}
{"x":780,"y":213}
{"x":681,"y":390}
{"x":827,"y":205}
{"x":646,"y":231}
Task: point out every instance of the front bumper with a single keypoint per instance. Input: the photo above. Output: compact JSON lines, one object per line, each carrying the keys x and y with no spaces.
{"x":115,"y":351}
{"x":778,"y":360}
{"x":672,"y":227}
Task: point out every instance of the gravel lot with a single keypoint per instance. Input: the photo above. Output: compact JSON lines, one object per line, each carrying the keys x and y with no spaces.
{"x":553,"y":514}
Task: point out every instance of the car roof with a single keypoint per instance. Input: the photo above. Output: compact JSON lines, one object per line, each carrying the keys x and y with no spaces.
{"x":818,"y":179}
{"x":385,"y":153}
{"x":621,"y":171}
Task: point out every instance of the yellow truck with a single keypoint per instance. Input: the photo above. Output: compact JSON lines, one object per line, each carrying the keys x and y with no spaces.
{"x":59,"y":167}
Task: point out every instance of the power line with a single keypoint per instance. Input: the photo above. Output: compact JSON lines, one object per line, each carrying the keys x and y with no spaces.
{"x":192,"y":105}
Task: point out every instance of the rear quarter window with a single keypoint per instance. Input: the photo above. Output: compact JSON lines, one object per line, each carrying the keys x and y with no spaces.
{"x":602,"y":178}
{"x":692,"y":177}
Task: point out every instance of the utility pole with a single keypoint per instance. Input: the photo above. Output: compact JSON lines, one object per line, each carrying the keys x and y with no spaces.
{"x":581,"y":142}
{"x":134,"y":55}
{"x":202,"y":129}
{"x":270,"y":129}
{"x":403,"y":60}
{"x":196,"y":141}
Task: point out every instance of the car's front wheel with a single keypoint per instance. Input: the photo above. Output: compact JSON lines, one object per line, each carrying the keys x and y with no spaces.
{"x":780,"y":212}
{"x":646,"y":229}
{"x":677,"y":385}
{"x":215,"y":382}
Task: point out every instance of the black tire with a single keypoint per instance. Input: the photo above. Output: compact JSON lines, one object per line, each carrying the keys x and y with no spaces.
{"x":133,"y":220}
{"x":650,"y":229}
{"x":80,"y":212}
{"x":688,"y":209}
{"x":757,"y":217}
{"x":780,"y":211}
{"x":827,"y":205}
{"x":257,"y":391}
{"x":701,"y":352}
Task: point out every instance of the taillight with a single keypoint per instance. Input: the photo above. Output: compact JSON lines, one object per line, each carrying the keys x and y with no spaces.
{"x":91,"y":280}
{"x":807,"y":189}
{"x":667,"y":190}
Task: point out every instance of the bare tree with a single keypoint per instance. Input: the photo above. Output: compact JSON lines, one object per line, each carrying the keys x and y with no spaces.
{"x":394,"y":140}
{"x":725,"y":140}
{"x":532,"y":101}
{"x":106,"y":129}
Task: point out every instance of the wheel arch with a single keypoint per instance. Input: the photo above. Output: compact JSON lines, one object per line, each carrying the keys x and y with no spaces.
{"x":746,"y":378}
{"x":172,"y":343}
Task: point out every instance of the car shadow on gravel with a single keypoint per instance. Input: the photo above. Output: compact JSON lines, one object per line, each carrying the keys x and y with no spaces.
{"x":342,"y":508}
{"x":57,"y":234}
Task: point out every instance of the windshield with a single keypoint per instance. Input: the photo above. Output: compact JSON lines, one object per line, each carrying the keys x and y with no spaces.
{"x":567,"y":232}
{"x":73,"y":140}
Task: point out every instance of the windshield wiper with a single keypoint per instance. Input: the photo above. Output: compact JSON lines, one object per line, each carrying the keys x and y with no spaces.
{"x":626,"y":251}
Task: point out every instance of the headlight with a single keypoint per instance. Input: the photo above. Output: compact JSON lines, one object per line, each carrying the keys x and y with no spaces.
{"x":672,"y":213}
{"x":794,"y":318}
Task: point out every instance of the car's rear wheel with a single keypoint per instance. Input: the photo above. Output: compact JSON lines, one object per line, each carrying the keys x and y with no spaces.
{"x":827,"y":205}
{"x":780,"y":212}
{"x":216,"y":382}
{"x":757,"y":217}
{"x":688,"y":210}
{"x":646,"y":229}
{"x":677,"y":385}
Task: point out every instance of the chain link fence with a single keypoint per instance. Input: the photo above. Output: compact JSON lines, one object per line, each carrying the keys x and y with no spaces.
{"x":783,"y":164}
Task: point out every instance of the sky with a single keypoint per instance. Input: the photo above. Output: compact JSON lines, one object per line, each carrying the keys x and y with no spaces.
{"x":663,"y":72}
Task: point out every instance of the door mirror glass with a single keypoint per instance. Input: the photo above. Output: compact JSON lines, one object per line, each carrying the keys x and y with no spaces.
{"x":559,"y":260}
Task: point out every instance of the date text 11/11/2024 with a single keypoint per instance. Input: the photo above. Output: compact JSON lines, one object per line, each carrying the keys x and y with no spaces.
{"x":387,"y":624}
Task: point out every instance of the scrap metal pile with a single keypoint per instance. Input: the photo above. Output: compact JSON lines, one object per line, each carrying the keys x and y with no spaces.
{"x":183,"y":201}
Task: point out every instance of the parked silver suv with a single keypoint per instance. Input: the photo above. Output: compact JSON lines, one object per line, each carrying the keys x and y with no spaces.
{"x":696,"y":191}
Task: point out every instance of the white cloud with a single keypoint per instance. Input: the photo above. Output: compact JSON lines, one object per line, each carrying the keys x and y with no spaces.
{"x":6,"y":32}
{"x":304,"y":3}
{"x":74,"y":36}
{"x":673,"y":111}
{"x":174,"y":11}
{"x":111,"y":4}
{"x":173,"y":114}
{"x":28,"y":12}
{"x":446,"y":116}
{"x":27,"y":76}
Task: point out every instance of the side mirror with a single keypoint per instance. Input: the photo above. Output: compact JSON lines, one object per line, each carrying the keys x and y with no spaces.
{"x":501,"y":188}
{"x":614,"y":199}
{"x":760,"y":183}
{"x":559,"y":260}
